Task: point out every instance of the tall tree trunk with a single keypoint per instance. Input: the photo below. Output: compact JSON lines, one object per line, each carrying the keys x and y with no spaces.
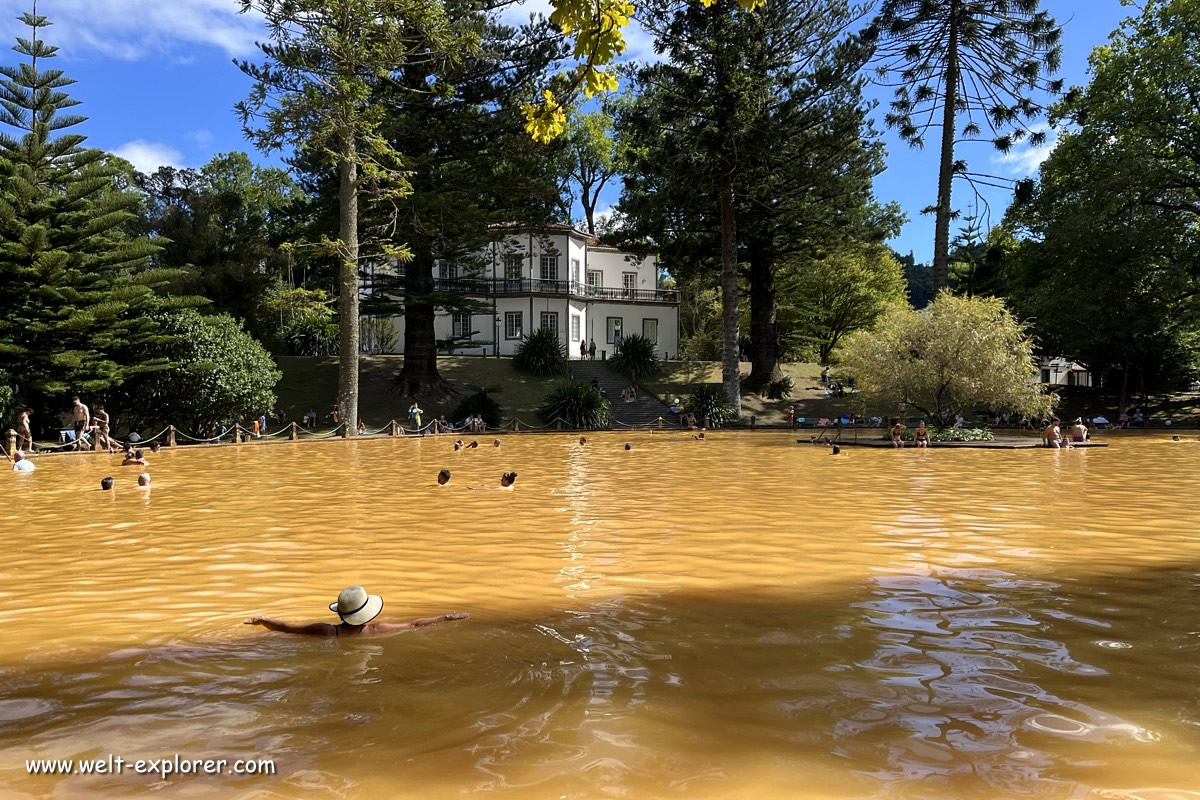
{"x":589,"y":208}
{"x":941,"y":236}
{"x":348,"y":287}
{"x":419,"y":376}
{"x":730,"y":362}
{"x":1121,"y":404}
{"x":764,"y":333}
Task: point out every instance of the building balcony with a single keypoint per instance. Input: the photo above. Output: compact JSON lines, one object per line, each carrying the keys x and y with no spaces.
{"x":487,"y":287}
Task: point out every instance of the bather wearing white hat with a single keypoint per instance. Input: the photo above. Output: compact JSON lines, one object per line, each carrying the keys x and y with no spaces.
{"x":356,"y":607}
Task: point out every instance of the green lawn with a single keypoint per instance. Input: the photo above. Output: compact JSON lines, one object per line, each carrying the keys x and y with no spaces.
{"x":808,"y":397}
{"x":311,"y":382}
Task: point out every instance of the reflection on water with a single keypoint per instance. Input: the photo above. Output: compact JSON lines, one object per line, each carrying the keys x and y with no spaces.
{"x":742,"y":617}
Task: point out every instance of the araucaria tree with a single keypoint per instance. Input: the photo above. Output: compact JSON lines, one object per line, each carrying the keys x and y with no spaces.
{"x":956,"y":354}
{"x":979,"y":59}
{"x":313,"y":94}
{"x":73,"y":273}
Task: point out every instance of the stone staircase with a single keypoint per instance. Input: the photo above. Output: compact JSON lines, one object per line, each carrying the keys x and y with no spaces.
{"x":642,"y":412}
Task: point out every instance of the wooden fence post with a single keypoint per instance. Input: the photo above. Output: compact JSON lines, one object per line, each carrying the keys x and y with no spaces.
{"x":706,"y":422}
{"x":170,"y":436}
{"x":392,"y":426}
{"x":12,"y":441}
{"x":345,"y":431}
{"x":293,"y":432}
{"x":660,"y":423}
{"x":558,"y":423}
{"x":753,"y":421}
{"x":95,"y":429}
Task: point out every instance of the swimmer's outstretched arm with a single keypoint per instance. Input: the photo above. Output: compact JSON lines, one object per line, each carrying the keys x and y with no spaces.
{"x":311,"y":629}
{"x":389,"y":627}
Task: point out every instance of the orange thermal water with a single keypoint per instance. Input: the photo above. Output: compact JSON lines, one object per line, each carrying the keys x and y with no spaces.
{"x":738,"y":618}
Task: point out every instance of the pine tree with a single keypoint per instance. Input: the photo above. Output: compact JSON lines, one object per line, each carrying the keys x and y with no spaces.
{"x":978,"y":58}
{"x":72,"y":270}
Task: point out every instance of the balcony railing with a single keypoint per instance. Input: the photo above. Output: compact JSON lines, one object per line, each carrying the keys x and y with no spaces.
{"x":504,"y":286}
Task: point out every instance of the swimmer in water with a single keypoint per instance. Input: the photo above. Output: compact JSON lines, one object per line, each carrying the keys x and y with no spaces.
{"x":495,"y":442}
{"x":700,"y":436}
{"x":355,"y":608}
{"x":106,"y":484}
{"x":458,"y":445}
{"x":144,"y":480}
{"x":473,"y":445}
{"x":582,"y":440}
{"x":836,"y":450}
{"x":135,"y":459}
{"x":628,"y":446}
{"x":443,"y":477}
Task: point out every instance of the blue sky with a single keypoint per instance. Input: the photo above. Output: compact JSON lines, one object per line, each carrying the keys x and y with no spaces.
{"x":158,"y":84}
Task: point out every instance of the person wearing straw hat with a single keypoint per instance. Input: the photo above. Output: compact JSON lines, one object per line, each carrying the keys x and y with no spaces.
{"x":356,"y":609}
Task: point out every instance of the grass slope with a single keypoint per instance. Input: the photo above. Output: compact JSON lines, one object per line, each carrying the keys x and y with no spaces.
{"x":311,"y":382}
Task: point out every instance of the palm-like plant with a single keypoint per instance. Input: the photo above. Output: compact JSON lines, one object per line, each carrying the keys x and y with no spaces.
{"x":637,"y":358}
{"x":577,"y":405}
{"x":541,"y":353}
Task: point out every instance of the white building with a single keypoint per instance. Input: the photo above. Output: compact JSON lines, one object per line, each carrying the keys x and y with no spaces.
{"x":556,"y":277}
{"x":1061,"y":371}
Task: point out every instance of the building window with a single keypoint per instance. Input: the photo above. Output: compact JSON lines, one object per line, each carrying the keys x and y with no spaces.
{"x":512,"y":324}
{"x":550,"y":320}
{"x":576,"y":275}
{"x":513,"y":265}
{"x":629,"y":282}
{"x":650,"y":330}
{"x":612,"y":329}
{"x":449,"y":270}
{"x":549,"y":268}
{"x":574,"y":327}
{"x":460,"y":325}
{"x":595,"y":277}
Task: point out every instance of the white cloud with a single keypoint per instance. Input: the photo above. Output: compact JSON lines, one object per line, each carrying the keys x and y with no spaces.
{"x":1022,"y":160}
{"x":202,"y":138}
{"x":135,"y":29}
{"x":149,"y":156}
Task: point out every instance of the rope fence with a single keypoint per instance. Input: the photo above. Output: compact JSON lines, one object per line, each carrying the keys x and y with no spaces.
{"x":237,"y":435}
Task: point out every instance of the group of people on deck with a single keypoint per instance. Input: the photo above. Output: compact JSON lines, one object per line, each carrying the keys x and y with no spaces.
{"x":1052,"y":435}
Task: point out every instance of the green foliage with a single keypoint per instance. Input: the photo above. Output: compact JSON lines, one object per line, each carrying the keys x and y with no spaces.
{"x":577,"y":405}
{"x":953,"y":435}
{"x":1109,"y":245}
{"x":7,"y":395}
{"x":226,"y":224}
{"x":709,"y":400}
{"x":219,"y":370}
{"x":482,"y":403}
{"x":78,"y":295}
{"x":638,"y":358}
{"x":541,"y":353}
{"x":844,"y":292}
{"x":305,"y":321}
{"x":983,"y":59}
{"x":782,"y":388}
{"x":954,"y":355}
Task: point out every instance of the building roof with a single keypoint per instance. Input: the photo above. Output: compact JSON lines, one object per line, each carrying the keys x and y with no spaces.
{"x":555,"y":227}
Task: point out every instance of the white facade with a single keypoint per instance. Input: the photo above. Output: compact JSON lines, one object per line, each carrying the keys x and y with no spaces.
{"x":559,"y":278}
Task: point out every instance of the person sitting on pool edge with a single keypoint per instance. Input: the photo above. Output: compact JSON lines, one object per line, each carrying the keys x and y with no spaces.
{"x":355,"y":608}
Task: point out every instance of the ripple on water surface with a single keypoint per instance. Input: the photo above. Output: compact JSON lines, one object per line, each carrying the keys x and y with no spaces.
{"x":740,"y":617}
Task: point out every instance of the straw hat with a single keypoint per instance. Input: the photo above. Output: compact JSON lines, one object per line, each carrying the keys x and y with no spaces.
{"x":356,"y":607}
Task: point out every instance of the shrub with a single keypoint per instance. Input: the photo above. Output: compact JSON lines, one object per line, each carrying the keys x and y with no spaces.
{"x":541,"y":353}
{"x":637,"y":359}
{"x":482,"y":403}
{"x":953,"y":435}
{"x":781,"y":389}
{"x":708,"y":399}
{"x":217,"y":370}
{"x":577,"y":405}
